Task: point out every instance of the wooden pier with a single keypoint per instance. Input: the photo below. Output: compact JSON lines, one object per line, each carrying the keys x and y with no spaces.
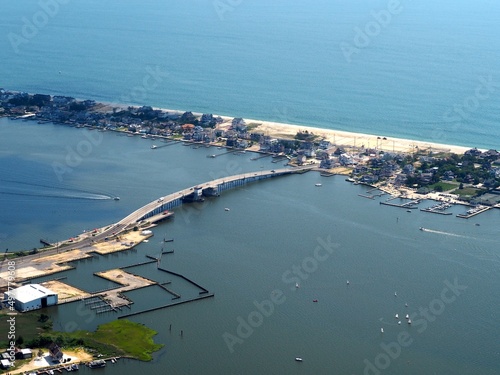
{"x":367,"y":196}
{"x":408,"y":205}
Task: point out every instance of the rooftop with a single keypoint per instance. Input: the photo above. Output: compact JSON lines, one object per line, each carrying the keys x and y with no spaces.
{"x":30,"y":292}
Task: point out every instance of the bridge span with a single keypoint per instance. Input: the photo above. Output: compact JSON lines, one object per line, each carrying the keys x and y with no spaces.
{"x":198,"y":192}
{"x":153,"y":210}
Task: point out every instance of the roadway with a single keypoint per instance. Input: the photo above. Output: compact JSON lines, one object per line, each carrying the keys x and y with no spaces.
{"x":124,"y":224}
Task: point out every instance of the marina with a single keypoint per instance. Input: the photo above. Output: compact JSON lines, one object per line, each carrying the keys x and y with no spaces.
{"x":474,"y":211}
{"x":439,"y":208}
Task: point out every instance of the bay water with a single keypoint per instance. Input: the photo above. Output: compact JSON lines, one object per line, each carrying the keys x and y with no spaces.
{"x":428,"y":72}
{"x":277,"y":232}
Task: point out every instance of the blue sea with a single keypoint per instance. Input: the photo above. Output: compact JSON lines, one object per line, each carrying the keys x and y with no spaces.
{"x":413,"y":69}
{"x":421,"y":70}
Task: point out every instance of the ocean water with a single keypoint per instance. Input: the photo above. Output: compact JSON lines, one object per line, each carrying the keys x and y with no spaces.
{"x":396,"y":68}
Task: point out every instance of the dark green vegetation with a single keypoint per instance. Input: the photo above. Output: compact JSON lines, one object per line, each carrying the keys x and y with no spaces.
{"x":28,"y":327}
{"x":452,"y":172}
{"x":118,"y":338}
{"x":443,"y":186}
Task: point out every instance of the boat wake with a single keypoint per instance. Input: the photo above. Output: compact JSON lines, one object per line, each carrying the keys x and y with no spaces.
{"x":443,"y":233}
{"x":21,"y":188}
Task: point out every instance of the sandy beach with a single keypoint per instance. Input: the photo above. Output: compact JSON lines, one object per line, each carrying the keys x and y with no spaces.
{"x":350,"y":139}
{"x":342,"y":138}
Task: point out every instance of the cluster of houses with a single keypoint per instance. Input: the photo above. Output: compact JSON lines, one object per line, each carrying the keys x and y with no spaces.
{"x":7,"y":359}
{"x":368,"y":165}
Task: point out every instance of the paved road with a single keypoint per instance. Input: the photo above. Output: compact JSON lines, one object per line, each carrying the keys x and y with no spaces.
{"x":115,"y":229}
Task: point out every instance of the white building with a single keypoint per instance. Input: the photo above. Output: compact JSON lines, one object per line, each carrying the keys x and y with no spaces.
{"x":32,"y":297}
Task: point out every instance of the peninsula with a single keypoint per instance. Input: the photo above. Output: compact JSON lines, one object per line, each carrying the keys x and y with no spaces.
{"x":399,"y":166}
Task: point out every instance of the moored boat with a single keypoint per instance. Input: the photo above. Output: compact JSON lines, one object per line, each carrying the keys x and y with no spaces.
{"x":97,"y":363}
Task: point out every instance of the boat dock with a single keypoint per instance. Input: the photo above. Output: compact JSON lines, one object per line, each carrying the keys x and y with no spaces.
{"x":438,"y":209}
{"x":366,"y":196}
{"x":407,"y":205}
{"x":473,"y":212}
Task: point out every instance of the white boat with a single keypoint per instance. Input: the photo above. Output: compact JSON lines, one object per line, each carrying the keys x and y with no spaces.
{"x":407,"y":316}
{"x":298,"y":359}
{"x":296,"y":285}
{"x":116,"y":198}
{"x":318,"y":184}
{"x":226,"y":209}
{"x":396,"y":316}
{"x":154,"y":146}
{"x":381,"y":330}
{"x":409,"y":321}
{"x":97,"y":363}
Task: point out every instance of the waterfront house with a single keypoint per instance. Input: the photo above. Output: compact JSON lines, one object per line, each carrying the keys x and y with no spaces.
{"x":473,"y":152}
{"x":301,"y":159}
{"x":62,"y":100}
{"x":324,"y":144}
{"x":239,"y":124}
{"x":55,"y":352}
{"x":24,"y":353}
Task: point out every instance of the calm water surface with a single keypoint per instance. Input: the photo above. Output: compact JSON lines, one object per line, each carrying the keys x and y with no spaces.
{"x":272,"y":230}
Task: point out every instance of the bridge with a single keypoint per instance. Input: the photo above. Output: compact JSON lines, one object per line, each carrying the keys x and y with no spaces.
{"x":198,"y":192}
{"x":152,"y":211}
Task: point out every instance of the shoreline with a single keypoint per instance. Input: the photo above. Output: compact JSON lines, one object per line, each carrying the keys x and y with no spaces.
{"x":348,"y":139}
{"x":340,"y":138}
{"x":337,"y":137}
